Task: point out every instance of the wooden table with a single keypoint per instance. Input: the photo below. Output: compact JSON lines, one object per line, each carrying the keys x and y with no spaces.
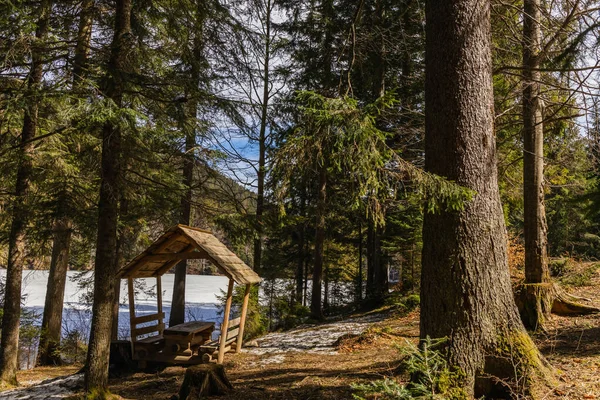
{"x":183,"y":336}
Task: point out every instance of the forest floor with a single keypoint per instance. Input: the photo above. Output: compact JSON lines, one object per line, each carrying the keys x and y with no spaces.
{"x":323,"y":361}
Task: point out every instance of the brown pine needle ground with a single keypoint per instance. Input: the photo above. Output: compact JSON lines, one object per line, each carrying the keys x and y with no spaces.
{"x":572,"y":345}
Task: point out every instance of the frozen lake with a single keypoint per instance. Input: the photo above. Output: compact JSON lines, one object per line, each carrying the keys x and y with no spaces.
{"x":201,"y":298}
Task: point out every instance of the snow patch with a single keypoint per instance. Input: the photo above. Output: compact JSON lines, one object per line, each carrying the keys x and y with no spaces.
{"x":57,"y":388}
{"x":311,"y":338}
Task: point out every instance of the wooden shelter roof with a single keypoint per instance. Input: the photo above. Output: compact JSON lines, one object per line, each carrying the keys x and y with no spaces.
{"x":183,"y":242}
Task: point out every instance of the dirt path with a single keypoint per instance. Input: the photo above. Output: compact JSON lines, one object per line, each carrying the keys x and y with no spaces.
{"x":320,"y":338}
{"x":309,"y":362}
{"x":323,"y":361}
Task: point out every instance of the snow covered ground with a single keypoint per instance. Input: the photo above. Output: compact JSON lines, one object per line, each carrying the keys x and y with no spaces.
{"x":308,"y":338}
{"x":201,"y":301}
{"x":57,"y":388}
{"x":201,"y":298}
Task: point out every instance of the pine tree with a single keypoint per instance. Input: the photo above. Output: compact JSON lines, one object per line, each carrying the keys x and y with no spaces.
{"x":48,"y":351}
{"x":9,"y":345}
{"x":96,"y":373}
{"x":466,"y":293}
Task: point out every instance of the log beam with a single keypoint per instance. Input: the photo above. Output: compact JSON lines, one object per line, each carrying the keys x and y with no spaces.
{"x":240,"y":337}
{"x":225,"y":326}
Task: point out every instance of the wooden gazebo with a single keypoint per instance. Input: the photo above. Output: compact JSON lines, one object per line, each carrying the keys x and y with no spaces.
{"x":188,"y":343}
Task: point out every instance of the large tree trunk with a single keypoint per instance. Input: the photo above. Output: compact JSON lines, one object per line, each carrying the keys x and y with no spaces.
{"x":299,"y":273}
{"x":48,"y":352}
{"x":84,"y":35}
{"x":177,"y":315}
{"x":49,"y":347}
{"x":189,"y":114}
{"x":96,"y":372}
{"x":380,"y":273}
{"x":466,"y":293}
{"x":370,"y":261}
{"x":538,"y":296}
{"x":9,"y":345}
{"x":316,"y":309}
{"x":534,"y":214}
{"x":359,"y":278}
{"x":377,"y":279}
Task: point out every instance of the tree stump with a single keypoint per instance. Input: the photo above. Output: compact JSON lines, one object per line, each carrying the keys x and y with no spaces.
{"x":204,"y":380}
{"x":537,"y":300}
{"x":120,"y":361}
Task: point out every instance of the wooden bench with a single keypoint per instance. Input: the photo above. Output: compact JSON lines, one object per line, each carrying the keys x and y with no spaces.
{"x":147,"y":345}
{"x":212,"y":348}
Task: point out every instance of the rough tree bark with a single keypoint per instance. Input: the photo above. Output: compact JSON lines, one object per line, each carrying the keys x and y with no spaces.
{"x":380,"y":274}
{"x":96,"y":371}
{"x":466,"y":293}
{"x":316,"y":309}
{"x":49,"y":346}
{"x":299,"y":273}
{"x":9,"y":345}
{"x":359,"y":278}
{"x":377,"y":280}
{"x":197,"y":62}
{"x":534,"y":214}
{"x":371,"y":260}
{"x":538,"y":296}
{"x":177,"y":315}
{"x":204,"y":380}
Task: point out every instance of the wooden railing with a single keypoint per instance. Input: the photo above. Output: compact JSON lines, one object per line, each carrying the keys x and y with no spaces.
{"x":157,"y":328}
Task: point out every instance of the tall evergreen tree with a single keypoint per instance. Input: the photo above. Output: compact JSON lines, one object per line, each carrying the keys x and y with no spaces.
{"x":48,"y":351}
{"x":466,"y":293}
{"x":9,"y":345}
{"x":96,"y":373}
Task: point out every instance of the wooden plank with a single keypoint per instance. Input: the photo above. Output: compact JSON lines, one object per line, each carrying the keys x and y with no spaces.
{"x":240,"y":338}
{"x":225,"y":322}
{"x":234,"y":322}
{"x":186,"y":255}
{"x":213,"y":345}
{"x":148,"y":318}
{"x":131,"y":295}
{"x":233,"y":333}
{"x":169,"y":241}
{"x":162,"y":270}
{"x":189,"y":327}
{"x":151,"y":339}
{"x":194,"y":228}
{"x":147,"y":329}
{"x":159,"y":303}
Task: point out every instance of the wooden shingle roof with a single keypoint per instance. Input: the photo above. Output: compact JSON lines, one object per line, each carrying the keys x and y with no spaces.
{"x":185,"y":242}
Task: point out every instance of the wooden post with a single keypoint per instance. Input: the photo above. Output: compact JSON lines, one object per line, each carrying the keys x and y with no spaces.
{"x":131,"y":295}
{"x":240,"y":337}
{"x":225,"y":325}
{"x":161,"y":326}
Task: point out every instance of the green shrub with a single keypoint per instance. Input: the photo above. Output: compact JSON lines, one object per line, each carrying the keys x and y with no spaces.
{"x":583,"y":278}
{"x":559,"y":267}
{"x":74,"y":347}
{"x":404,"y":304}
{"x":255,"y":318}
{"x":431,"y":377}
{"x":411,"y":301}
